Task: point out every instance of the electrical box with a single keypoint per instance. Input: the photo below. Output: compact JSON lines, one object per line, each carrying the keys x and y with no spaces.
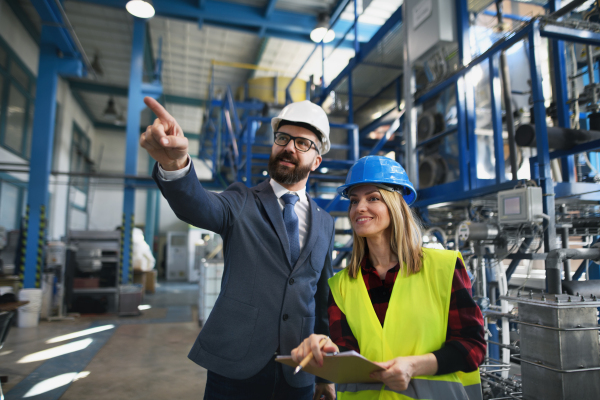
{"x":519,"y":206}
{"x":431,"y":24}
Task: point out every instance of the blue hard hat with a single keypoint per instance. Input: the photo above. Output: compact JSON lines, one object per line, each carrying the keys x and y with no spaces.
{"x":379,"y":171}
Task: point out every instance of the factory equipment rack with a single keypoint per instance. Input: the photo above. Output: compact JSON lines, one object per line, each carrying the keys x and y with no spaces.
{"x":105,"y":248}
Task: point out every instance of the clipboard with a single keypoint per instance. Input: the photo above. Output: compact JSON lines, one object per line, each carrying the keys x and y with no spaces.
{"x":344,"y":367}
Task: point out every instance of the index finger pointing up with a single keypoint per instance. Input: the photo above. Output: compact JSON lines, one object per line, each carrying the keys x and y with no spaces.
{"x":159,"y":111}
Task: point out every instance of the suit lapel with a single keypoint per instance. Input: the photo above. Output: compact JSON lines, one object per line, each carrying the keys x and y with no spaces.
{"x":314,"y":228}
{"x":269,"y":200}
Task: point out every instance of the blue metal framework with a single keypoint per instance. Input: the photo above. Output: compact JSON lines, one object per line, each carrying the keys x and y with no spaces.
{"x":56,"y":39}
{"x":263,"y":21}
{"x":468,"y":184}
{"x":137,"y":91}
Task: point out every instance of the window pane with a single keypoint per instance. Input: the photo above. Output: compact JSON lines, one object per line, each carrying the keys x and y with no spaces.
{"x":3,"y":57}
{"x":9,"y":204}
{"x":20,"y":75}
{"x":15,"y":120}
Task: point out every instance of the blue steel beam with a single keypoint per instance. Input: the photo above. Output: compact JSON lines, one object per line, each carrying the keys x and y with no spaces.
{"x":135,"y":105}
{"x":496,"y":100}
{"x":545,"y":179}
{"x":290,"y":25}
{"x":270,"y":7}
{"x":562,"y":95}
{"x":365,"y":49}
{"x":53,"y":38}
{"x":94,"y":87}
{"x":570,"y":34}
{"x":53,"y":30}
{"x":463,"y":91}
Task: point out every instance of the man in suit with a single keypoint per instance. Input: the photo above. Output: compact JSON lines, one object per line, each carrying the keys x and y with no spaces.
{"x":277,"y":247}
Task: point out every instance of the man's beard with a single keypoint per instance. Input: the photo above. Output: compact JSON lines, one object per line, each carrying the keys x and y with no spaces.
{"x":287,"y":175}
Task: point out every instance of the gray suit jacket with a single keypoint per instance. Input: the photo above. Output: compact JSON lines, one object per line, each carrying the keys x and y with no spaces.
{"x":265,"y":302}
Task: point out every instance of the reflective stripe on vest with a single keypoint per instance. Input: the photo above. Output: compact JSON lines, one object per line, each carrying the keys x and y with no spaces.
{"x":417,"y":313}
{"x":417,"y":389}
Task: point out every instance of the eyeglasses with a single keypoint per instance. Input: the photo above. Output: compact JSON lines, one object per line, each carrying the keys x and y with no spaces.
{"x":300,"y":143}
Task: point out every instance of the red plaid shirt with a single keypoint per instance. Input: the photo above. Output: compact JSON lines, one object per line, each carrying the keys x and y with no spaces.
{"x":465,"y":345}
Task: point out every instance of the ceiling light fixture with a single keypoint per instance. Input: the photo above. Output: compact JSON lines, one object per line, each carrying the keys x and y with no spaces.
{"x":140,"y":8}
{"x":110,"y":112}
{"x":321,"y":31}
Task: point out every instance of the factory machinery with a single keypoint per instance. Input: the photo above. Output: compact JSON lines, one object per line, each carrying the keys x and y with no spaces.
{"x":504,"y":149}
{"x":496,"y":118}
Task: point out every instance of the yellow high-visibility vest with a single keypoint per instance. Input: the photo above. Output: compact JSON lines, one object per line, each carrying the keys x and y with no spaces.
{"x":415,"y":323}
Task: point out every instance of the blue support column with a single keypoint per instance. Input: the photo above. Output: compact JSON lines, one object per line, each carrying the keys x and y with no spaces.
{"x":462,"y":87}
{"x":135,"y":105}
{"x":151,"y":205}
{"x":496,"y":95}
{"x":553,"y":277}
{"x":350,"y":101}
{"x":561,"y":95}
{"x":322,"y":67}
{"x":356,"y":45}
{"x":50,"y":66}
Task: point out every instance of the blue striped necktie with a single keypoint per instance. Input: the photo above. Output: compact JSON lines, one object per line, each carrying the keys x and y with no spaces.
{"x":290,"y":220}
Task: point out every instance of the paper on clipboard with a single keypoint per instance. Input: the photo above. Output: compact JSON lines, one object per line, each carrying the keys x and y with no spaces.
{"x":345,"y":367}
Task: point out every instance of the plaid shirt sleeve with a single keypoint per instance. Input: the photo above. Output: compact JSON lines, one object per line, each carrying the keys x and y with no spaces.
{"x":339,"y":330}
{"x":465,"y":342}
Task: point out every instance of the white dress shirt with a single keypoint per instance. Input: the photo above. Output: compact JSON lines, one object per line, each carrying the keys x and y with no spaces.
{"x":301,"y":207}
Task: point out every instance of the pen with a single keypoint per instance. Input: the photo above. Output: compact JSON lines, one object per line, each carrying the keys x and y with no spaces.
{"x":309,"y":356}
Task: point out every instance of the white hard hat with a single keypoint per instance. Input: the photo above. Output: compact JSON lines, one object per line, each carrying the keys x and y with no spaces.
{"x":307,"y":113}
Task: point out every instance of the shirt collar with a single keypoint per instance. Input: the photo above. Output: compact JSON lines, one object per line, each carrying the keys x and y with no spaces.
{"x":280,"y":191}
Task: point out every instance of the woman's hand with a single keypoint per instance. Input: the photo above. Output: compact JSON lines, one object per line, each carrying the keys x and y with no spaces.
{"x":399,"y":371}
{"x":311,"y":344}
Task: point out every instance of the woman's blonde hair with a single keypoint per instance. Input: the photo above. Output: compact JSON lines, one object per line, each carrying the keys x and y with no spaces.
{"x":405,"y":241}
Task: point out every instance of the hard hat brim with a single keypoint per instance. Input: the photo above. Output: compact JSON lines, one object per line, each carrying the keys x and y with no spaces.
{"x":408,"y":193}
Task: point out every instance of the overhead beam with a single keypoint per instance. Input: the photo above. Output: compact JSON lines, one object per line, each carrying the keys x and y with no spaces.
{"x":252,"y":19}
{"x":94,"y":87}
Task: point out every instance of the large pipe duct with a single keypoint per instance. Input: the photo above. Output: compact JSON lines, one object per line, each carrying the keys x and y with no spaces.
{"x":558,"y":138}
{"x":432,"y":171}
{"x":557,"y":257}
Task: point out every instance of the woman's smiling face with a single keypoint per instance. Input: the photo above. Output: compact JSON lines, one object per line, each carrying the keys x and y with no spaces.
{"x":369,"y":214}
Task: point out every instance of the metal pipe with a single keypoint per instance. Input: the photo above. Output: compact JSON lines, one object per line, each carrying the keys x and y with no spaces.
{"x":564,"y":234}
{"x":515,"y":262}
{"x":558,"y":138}
{"x":557,"y":256}
{"x":507,"y":94}
{"x":567,"y":9}
{"x":590,"y":64}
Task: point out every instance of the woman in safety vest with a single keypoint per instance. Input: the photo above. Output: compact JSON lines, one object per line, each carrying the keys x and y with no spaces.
{"x":432,"y":341}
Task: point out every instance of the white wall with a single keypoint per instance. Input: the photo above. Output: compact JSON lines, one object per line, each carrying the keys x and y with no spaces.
{"x":107,"y":201}
{"x":28,"y":51}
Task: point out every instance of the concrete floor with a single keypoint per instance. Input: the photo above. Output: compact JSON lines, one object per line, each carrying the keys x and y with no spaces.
{"x":139,"y":358}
